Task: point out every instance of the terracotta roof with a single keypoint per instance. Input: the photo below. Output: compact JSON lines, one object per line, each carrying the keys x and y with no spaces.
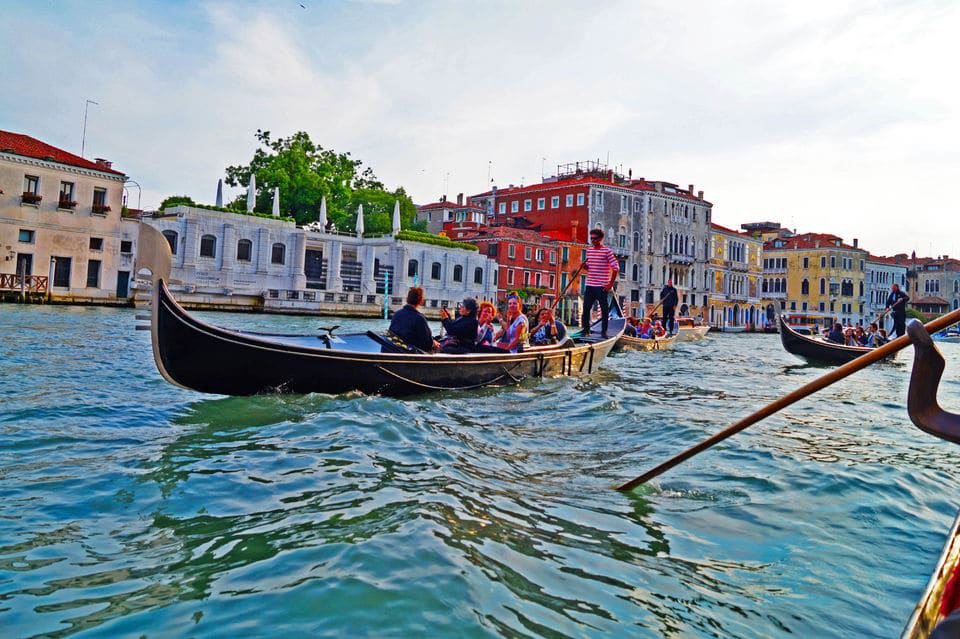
{"x":447,"y":204}
{"x":20,"y":144}
{"x":809,"y":241}
{"x":880,"y":259}
{"x":507,"y":232}
{"x":587,"y":180}
{"x":931,"y":299}
{"x":560,"y":236}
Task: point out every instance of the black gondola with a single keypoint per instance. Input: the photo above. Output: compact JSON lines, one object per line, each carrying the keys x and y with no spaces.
{"x":211,"y":359}
{"x":815,"y":349}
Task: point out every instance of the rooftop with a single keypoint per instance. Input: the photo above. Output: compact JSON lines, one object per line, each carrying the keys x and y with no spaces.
{"x":26,"y":146}
{"x":806,"y":241}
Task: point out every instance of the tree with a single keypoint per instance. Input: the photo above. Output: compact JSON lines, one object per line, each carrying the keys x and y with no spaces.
{"x":174,"y":200}
{"x":305,"y":172}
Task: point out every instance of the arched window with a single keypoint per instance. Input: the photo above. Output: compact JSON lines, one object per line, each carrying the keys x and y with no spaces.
{"x":413,"y":267}
{"x":478,"y":275}
{"x":636,"y":246}
{"x":804,"y":287}
{"x":861,"y":289}
{"x":244,"y":250}
{"x":208,"y":246}
{"x":636,"y":272}
{"x":171,"y":240}
{"x":435,"y":270}
{"x":278,"y":255}
{"x":457,"y":273}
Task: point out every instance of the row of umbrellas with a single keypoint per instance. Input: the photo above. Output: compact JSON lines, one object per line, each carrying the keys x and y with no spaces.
{"x":321,"y":220}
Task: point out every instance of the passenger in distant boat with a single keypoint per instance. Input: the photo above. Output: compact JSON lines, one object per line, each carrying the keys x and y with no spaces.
{"x":658,"y":330}
{"x":486,"y":331}
{"x":859,"y":336}
{"x":870,"y":338}
{"x":548,"y":330}
{"x":514,"y":329}
{"x":881,"y":337}
{"x":411,"y":326}
{"x":461,"y":332}
{"x":836,"y":334}
{"x":645,"y":330}
{"x":848,"y":338}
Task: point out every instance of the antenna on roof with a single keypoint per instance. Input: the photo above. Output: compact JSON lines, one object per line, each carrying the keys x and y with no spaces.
{"x":83,"y":140}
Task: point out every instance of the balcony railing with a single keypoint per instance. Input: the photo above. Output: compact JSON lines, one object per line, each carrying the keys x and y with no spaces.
{"x":774,"y":296}
{"x":736,"y":266}
{"x":100,"y":209}
{"x":28,"y":283}
{"x":31,"y":198}
{"x":681,"y":258}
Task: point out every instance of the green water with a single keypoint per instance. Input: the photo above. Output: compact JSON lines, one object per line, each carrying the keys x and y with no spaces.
{"x":132,"y":507}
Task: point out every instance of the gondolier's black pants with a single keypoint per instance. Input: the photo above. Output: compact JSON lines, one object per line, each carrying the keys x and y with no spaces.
{"x":668,"y":318}
{"x":900,"y":325}
{"x":593,"y":294}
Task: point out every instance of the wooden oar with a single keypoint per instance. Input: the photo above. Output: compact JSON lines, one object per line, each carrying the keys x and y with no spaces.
{"x":569,"y":284}
{"x":806,"y":390}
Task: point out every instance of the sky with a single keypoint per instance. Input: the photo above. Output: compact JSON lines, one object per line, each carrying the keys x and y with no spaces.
{"x":833,"y":117}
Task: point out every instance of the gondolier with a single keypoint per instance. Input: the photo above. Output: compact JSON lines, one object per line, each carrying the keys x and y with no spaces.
{"x":602,"y":269}
{"x":897,"y":306}
{"x":669,"y":299}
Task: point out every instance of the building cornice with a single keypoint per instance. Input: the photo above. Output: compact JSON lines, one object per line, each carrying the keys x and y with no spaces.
{"x":57,"y":166}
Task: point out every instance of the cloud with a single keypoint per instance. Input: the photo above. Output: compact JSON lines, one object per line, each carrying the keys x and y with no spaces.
{"x":837,"y":116}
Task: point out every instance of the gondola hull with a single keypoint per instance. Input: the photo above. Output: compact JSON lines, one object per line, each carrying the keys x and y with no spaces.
{"x":817,"y":350}
{"x":692,"y":333}
{"x":638,"y":344}
{"x":210,"y":359}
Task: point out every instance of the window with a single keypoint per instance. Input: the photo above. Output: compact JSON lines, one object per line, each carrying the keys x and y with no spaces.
{"x":66,"y":195}
{"x":823,"y":261}
{"x":100,"y":201}
{"x":511,"y":251}
{"x":503,"y":208}
{"x":93,"y":274}
{"x":96,"y":243}
{"x":126,"y":246}
{"x":540,"y":255}
{"x":565,"y":254}
{"x":806,"y":262}
{"x":804,"y":288}
{"x":492,"y":249}
{"x":478,"y":275}
{"x":636,"y":205}
{"x":31,"y":184}
{"x":861,"y":265}
{"x":528,"y":253}
{"x":823,"y":286}
{"x":623,"y":204}
{"x":528,"y":205}
{"x":171,"y":240}
{"x":208,"y":246}
{"x":833,"y":261}
{"x":278,"y":255}
{"x":804,"y":306}
{"x":555,"y":202}
{"x":526,"y":278}
{"x":822,"y":307}
{"x":457,"y":273}
{"x":539,"y":280}
{"x":636,"y":272}
{"x":541,"y":203}
{"x":413,"y":267}
{"x":569,"y":200}
{"x":598,"y":199}
{"x":553,"y":257}
{"x":553,"y":281}
{"x":26,"y":236}
{"x":579,"y":199}
{"x":636,"y":241}
{"x":514,"y":206}
{"x":435,"y":270}
{"x":510,"y":277}
{"x":244,"y":250}
{"x":61,"y":272}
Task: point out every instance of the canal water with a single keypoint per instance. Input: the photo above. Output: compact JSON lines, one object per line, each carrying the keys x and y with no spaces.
{"x":132,"y":507}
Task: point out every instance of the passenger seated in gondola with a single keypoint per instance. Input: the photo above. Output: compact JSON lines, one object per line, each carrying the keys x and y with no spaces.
{"x":486,"y":330}
{"x":870,"y":338}
{"x":410,"y":325}
{"x":514,"y":329}
{"x":645,"y":331}
{"x":848,"y":338}
{"x":461,"y":332}
{"x":836,"y":334}
{"x":658,"y":330}
{"x":881,"y":337}
{"x":548,"y":330}
{"x":630,"y":329}
{"x":859,"y":337}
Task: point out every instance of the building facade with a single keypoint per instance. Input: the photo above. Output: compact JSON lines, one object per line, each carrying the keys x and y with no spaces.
{"x":816,"y":275}
{"x":225,"y":259}
{"x":61,"y":229}
{"x":437,"y":214}
{"x":734,"y":280}
{"x":658,"y":230}
{"x":933,"y":283}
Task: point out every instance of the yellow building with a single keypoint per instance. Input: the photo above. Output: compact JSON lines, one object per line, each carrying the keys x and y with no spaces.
{"x":815,"y":275}
{"x":734,"y":275}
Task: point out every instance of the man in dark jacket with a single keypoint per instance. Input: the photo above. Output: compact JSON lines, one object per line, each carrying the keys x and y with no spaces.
{"x":410,"y":325}
{"x":669,"y":298}
{"x":897,"y":305}
{"x":461,"y":332}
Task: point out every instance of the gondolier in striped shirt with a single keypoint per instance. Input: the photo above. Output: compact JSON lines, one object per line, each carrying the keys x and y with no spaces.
{"x":602,"y":269}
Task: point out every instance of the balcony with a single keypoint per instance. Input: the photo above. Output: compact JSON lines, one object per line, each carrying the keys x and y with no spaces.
{"x":680,"y":258}
{"x":100,"y":209}
{"x":66,"y":203}
{"x":30,"y":198}
{"x":622,"y":251}
{"x":782,"y":295}
{"x":736,"y":266}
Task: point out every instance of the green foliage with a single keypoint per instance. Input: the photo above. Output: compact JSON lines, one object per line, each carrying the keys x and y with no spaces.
{"x":242,"y":211}
{"x":305,"y":172}
{"x":524,"y":293}
{"x":915,"y":314}
{"x":174,"y":200}
{"x":429,"y":238}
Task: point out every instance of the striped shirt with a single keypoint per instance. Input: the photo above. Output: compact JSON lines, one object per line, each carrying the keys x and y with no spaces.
{"x":600,"y":265}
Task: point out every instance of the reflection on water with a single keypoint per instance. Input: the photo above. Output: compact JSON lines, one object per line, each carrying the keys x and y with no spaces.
{"x":133,"y":507}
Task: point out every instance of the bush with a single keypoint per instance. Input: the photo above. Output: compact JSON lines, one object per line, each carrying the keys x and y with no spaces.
{"x":222,"y":209}
{"x":429,"y":238}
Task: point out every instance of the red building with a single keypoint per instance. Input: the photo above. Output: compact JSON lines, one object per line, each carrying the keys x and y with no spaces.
{"x":438,"y":214}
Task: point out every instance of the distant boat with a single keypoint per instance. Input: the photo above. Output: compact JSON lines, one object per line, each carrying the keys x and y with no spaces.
{"x":816,"y":349}
{"x":641,"y":344}
{"x":688,"y":329}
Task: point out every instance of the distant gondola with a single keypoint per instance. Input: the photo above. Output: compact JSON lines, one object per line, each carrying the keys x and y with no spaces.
{"x":641,"y":344}
{"x":816,"y":349}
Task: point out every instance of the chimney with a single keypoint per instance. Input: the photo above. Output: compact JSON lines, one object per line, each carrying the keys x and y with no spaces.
{"x":443,"y":198}
{"x":691,"y":189}
{"x":610,"y":175}
{"x":630,"y":173}
{"x":816,"y":244}
{"x":459,"y":199}
{"x":699,"y":195}
{"x":103,"y":164}
{"x":856,"y":242}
